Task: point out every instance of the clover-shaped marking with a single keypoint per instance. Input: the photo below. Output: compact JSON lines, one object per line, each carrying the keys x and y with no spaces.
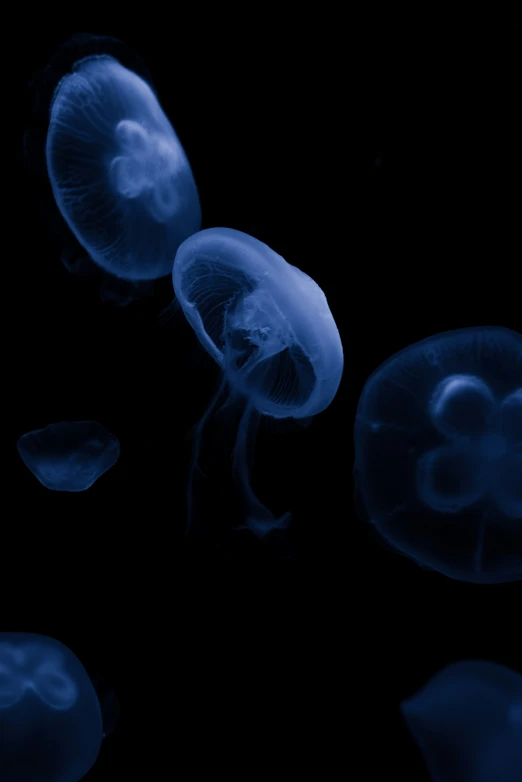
{"x":482,"y":455}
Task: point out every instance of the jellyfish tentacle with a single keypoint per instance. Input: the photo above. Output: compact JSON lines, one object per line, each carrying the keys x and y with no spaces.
{"x":197,"y":433}
{"x":258,"y":517}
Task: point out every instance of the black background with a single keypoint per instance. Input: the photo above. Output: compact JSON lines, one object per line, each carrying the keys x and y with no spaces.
{"x":381,"y":160}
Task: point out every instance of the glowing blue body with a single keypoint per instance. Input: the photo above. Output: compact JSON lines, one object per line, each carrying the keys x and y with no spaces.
{"x":69,"y":456}
{"x":50,"y":718}
{"x":118,"y":172}
{"x":268,"y":326}
{"x":438,"y":439}
{"x":467,"y":722}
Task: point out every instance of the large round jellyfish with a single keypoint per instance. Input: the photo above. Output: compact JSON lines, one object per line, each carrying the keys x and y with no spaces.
{"x":467,"y":723}
{"x":438,"y":440}
{"x":51,"y":725}
{"x":119,"y":174}
{"x":69,"y":456}
{"x":268,"y":326}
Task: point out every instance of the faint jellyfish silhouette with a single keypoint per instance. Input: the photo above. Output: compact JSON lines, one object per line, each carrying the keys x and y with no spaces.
{"x":466,"y":722}
{"x":69,"y":456}
{"x":268,"y":326}
{"x":50,"y":718}
{"x":438,"y":453}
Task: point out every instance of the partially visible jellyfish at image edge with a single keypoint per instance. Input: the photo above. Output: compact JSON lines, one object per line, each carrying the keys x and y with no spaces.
{"x":438,"y":442}
{"x":268,"y":326}
{"x":467,"y":722}
{"x":70,"y":455}
{"x":51,"y":723}
{"x":119,"y":174}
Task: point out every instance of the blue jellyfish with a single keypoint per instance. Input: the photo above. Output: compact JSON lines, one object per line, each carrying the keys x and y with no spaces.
{"x":268,"y":326}
{"x":119,"y":174}
{"x":467,"y":721}
{"x":51,"y":724}
{"x":69,"y":456}
{"x":438,"y":441}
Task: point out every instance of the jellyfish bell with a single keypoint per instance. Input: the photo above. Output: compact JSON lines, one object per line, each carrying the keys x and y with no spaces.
{"x":464,"y":722}
{"x":72,"y":250}
{"x":119,"y":174}
{"x":70,"y":455}
{"x":268,"y":326}
{"x":93,"y":108}
{"x":248,"y":305}
{"x":437,"y":466}
{"x":511,"y":416}
{"x":50,"y":718}
{"x":40,"y":94}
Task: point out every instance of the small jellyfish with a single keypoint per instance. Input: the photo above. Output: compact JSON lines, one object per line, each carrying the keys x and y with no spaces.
{"x":268,"y":326}
{"x":438,"y":447}
{"x":119,"y":174}
{"x":466,"y":722}
{"x":50,"y":718}
{"x":69,"y":456}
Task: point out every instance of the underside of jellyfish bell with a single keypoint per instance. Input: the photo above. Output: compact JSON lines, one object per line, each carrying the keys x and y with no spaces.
{"x":268,"y":326}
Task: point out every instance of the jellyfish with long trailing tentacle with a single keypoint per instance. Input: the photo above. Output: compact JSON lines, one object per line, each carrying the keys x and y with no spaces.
{"x":438,"y":441}
{"x":268,"y":326}
{"x":51,"y":723}
{"x":119,"y":174}
{"x":467,"y":722}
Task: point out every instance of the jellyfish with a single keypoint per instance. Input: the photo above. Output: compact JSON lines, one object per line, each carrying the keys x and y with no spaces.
{"x":51,"y":724}
{"x":438,"y":442}
{"x":118,"y":172}
{"x":467,"y":723}
{"x":268,"y":326}
{"x":69,"y":456}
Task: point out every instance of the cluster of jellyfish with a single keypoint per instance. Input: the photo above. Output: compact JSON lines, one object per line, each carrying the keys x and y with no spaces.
{"x":438,"y":431}
{"x":123,"y":185}
{"x":53,"y":716}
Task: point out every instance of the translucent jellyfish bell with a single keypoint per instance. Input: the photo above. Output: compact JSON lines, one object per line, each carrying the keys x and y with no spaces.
{"x":70,"y":455}
{"x":466,"y":721}
{"x":50,"y":717}
{"x":118,"y":172}
{"x":438,"y":444}
{"x":268,"y":326}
